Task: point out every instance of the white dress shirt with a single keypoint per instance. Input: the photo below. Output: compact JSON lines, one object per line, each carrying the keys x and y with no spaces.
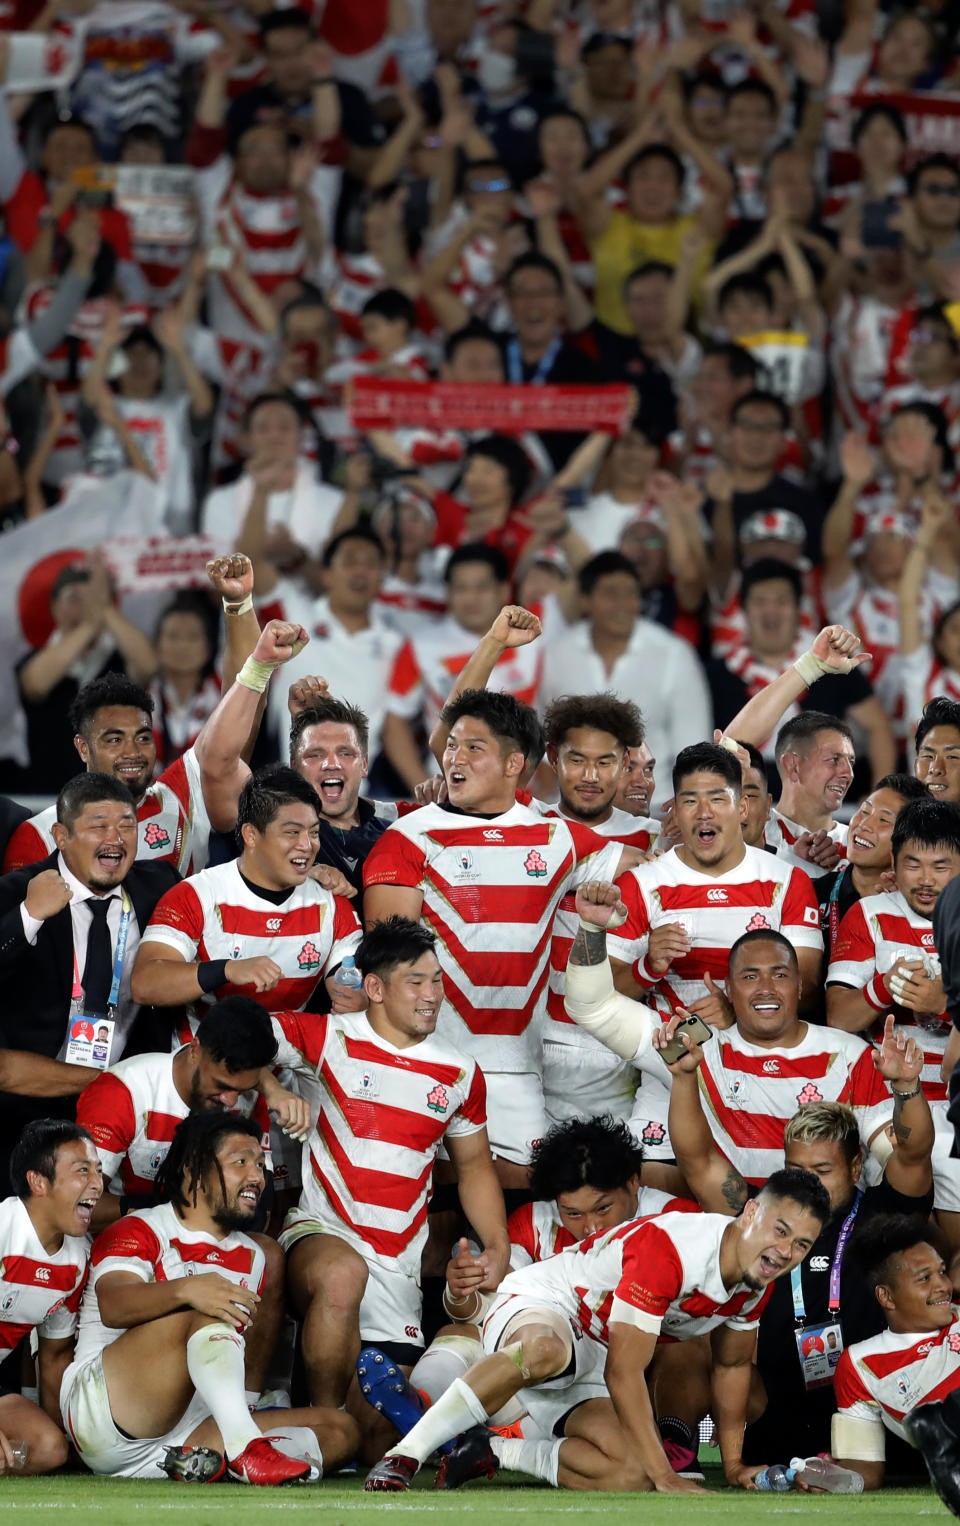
{"x":81,"y":917}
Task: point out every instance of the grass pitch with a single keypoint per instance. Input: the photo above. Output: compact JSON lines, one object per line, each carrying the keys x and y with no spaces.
{"x":78,"y":1499}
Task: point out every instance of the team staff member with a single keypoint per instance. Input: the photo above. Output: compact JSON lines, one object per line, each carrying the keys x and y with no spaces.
{"x":70,"y":927}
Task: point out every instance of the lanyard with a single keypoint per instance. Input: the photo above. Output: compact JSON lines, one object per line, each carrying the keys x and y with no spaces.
{"x":122,"y":935}
{"x":799,"y":1309}
{"x":543,"y":367}
{"x":835,"y":907}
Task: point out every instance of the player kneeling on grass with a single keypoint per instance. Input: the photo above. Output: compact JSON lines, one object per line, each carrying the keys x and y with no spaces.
{"x":674,"y":1277}
{"x":55,"y":1175}
{"x":907,"y":1380}
{"x":173,"y":1291}
{"x":585,"y":1176}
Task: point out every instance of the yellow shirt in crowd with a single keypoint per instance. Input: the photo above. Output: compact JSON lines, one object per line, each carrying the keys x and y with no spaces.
{"x":623,"y":245}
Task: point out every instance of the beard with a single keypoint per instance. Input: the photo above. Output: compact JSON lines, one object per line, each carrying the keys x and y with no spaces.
{"x":581,"y":812}
{"x":230,"y":1217}
{"x":753,"y":1283}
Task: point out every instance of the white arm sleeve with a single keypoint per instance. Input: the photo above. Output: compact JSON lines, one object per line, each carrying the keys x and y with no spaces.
{"x":593,"y":1002}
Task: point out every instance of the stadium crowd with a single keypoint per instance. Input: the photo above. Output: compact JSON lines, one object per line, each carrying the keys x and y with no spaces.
{"x":480,"y":733}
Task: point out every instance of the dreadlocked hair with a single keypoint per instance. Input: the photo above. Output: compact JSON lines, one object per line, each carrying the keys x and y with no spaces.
{"x":193,"y":1153}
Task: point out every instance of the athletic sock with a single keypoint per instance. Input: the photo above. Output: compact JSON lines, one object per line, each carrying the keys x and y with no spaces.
{"x":215,"y":1357}
{"x":446,"y":1358}
{"x":456,"y":1410}
{"x":541,"y":1459}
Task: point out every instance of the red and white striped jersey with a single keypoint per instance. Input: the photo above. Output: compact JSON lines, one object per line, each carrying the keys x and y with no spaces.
{"x":761,"y":892}
{"x":408,"y":607}
{"x":781,"y":834}
{"x":349,"y":281}
{"x":876,"y":932}
{"x":38,"y":1291}
{"x":426,"y":665}
{"x":172,"y":824}
{"x":749,"y":1091}
{"x":874,"y":614}
{"x":131,"y":1112}
{"x":382,"y":1113}
{"x":241,"y":369}
{"x":369,"y":362}
{"x":882,"y":1379}
{"x":660,"y":1275}
{"x":491,"y":889}
{"x":925,"y":678}
{"x":861,"y":334}
{"x":216,"y":915}
{"x":156,"y":1245}
{"x":537,"y":1232}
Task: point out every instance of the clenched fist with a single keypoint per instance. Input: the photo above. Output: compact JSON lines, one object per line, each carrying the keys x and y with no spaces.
{"x":47,"y":894}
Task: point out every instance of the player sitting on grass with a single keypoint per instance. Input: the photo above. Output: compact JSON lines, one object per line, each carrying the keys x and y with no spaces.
{"x":173,"y":1291}
{"x":906,"y":1380}
{"x":585,"y":1178}
{"x":57,"y":1184}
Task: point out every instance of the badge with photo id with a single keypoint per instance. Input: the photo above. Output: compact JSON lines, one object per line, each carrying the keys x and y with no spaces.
{"x":819,"y":1348}
{"x":89,"y":1039}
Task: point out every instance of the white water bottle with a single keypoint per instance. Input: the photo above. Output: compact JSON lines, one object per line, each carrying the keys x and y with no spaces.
{"x":348,"y":975}
{"x":824,"y":1473}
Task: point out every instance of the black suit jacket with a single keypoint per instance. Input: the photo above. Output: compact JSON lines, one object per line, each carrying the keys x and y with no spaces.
{"x":36,"y":982}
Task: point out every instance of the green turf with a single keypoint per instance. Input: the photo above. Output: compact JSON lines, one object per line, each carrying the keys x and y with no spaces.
{"x":79,"y":1499}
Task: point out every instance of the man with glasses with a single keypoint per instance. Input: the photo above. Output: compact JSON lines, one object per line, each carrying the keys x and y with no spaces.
{"x":758,"y":437}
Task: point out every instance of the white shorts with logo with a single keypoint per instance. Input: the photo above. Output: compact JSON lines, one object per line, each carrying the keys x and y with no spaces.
{"x":391,"y":1306}
{"x":581,"y":1081}
{"x":86,"y":1413}
{"x":549,"y":1402}
{"x":946,"y":1169}
{"x":516,"y":1115}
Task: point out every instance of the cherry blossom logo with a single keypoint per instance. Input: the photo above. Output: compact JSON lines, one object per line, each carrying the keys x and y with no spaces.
{"x":809,"y":1094}
{"x":953,"y":1339}
{"x":437,"y":1100}
{"x":758,"y":923}
{"x":156,"y":836}
{"x":654,"y":1133}
{"x":309,"y":957}
{"x":535,"y":865}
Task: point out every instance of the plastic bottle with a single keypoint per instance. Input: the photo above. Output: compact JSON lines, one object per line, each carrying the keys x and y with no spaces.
{"x":348,"y":975}
{"x":776,"y":1479}
{"x":824,"y":1473}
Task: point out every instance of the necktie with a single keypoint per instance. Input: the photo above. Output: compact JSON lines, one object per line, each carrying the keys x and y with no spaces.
{"x":98,"y":970}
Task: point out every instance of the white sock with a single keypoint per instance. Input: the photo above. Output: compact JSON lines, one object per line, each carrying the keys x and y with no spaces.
{"x":447,"y":1358}
{"x":215,"y":1357}
{"x":539,"y":1458}
{"x":251,"y":1397}
{"x":456,"y":1410}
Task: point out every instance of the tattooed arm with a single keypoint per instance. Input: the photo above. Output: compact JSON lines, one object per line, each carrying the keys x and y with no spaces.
{"x":900,"y":1062}
{"x":716,"y":1184}
{"x":625,"y":1026}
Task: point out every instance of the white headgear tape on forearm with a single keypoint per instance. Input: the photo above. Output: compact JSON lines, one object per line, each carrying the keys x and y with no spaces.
{"x":591,"y":999}
{"x":857,"y":1440}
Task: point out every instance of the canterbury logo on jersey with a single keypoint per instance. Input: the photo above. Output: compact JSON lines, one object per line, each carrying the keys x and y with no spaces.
{"x":717,"y":895}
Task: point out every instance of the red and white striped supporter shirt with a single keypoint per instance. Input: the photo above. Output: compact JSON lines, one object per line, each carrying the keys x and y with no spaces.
{"x":537,"y":1232}
{"x":876,"y":932}
{"x":491,"y":888}
{"x":660,"y":1275}
{"x":172,"y":824}
{"x":427,"y":663}
{"x":882,"y":1379}
{"x":157,"y":1246}
{"x":382,"y":1115}
{"x":217,"y":915}
{"x":131,"y":1112}
{"x":242,"y":370}
{"x":38,"y":1291}
{"x":761,"y":892}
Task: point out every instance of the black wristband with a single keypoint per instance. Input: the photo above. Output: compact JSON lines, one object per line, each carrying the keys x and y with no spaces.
{"x":212,"y":973}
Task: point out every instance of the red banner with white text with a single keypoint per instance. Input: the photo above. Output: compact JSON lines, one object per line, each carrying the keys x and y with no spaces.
{"x":382,"y":403}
